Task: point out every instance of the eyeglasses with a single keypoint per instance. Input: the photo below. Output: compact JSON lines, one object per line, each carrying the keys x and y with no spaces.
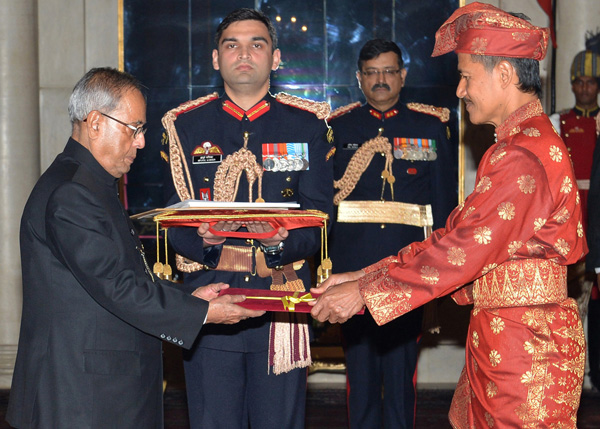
{"x":386,"y":72}
{"x":136,"y":130}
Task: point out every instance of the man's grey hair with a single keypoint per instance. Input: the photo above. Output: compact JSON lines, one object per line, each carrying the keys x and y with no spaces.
{"x":100,"y":89}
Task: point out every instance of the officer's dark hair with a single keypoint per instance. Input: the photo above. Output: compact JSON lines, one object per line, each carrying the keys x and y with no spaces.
{"x":528,"y":70}
{"x":374,"y":48}
{"x":100,"y":89}
{"x":245,"y":14}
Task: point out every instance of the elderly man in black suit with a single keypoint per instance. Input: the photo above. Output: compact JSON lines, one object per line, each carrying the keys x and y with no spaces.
{"x":93,"y":314}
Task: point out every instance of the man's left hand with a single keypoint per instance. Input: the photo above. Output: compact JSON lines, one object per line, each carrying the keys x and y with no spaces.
{"x":339,"y":303}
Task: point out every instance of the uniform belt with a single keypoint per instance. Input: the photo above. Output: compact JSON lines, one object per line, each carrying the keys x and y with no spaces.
{"x":584,"y":184}
{"x":237,"y":259}
{"x":521,"y":283}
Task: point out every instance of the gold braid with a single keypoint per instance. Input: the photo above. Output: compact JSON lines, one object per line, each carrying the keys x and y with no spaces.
{"x":227,"y":178}
{"x":320,"y":108}
{"x":359,"y":163}
{"x":184,"y":189}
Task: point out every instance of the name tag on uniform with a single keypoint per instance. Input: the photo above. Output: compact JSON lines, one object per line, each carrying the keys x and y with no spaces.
{"x":207,"y":153}
{"x":351,"y":146}
{"x":285,"y":156}
{"x":415,"y":149}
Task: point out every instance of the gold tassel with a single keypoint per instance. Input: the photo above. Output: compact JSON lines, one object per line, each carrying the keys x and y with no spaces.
{"x":158,"y":266}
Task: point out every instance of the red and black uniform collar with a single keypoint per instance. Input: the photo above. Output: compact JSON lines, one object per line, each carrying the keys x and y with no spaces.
{"x":586,"y":113}
{"x":251,"y":114}
{"x":383,"y":115}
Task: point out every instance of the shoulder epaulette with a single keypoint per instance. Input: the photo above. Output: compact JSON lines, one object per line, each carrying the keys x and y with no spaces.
{"x":442,"y":113}
{"x":340,"y":111}
{"x":187,"y":106}
{"x":179,"y":167}
{"x":320,"y":108}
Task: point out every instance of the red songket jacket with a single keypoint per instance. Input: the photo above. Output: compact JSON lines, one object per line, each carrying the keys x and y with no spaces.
{"x":505,"y":250}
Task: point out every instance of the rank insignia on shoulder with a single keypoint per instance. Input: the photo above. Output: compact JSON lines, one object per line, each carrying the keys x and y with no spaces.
{"x":340,"y":111}
{"x":414,"y":149}
{"x":207,"y":153}
{"x":285,"y":156}
{"x":442,"y":113}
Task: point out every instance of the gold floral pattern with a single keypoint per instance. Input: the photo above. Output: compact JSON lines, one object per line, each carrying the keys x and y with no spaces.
{"x":562,"y":216}
{"x":538,"y":224}
{"x":485,"y":183}
{"x":491,"y":389}
{"x":526,"y":184}
{"x":479,"y":46}
{"x":567,"y":185}
{"x":488,"y":268}
{"x":514,"y":246}
{"x":495,"y":358}
{"x":489,"y":420}
{"x":475,"y":339}
{"x":520,"y":36}
{"x":457,"y":256}
{"x":468,"y":212}
{"x":577,"y":199}
{"x":497,"y":325}
{"x":430,"y":275}
{"x":532,"y":132}
{"x":498,"y":154}
{"x":506,"y":211}
{"x":483,"y":235}
{"x":579,"y":229}
{"x":556,"y":154}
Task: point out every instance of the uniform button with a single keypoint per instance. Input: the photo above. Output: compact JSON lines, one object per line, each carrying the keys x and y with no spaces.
{"x":382,"y":226}
{"x":169,"y":338}
{"x":174,"y":340}
{"x":566,"y":134}
{"x":249,"y":241}
{"x":288,"y":179}
{"x":180,"y":342}
{"x":162,"y":336}
{"x":246,"y":278}
{"x":206,"y":179}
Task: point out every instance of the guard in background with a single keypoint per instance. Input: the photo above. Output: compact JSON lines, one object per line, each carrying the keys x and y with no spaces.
{"x":381,"y":360}
{"x":254,"y":374}
{"x":577,"y":127}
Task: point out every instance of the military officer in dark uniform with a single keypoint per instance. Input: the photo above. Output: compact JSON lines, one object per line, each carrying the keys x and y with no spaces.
{"x":381,"y":360}
{"x":235,"y":377}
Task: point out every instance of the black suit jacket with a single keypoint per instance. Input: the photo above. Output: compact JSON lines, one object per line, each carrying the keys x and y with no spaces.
{"x":89,"y":350}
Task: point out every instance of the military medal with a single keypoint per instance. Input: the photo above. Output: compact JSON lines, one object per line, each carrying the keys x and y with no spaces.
{"x":285,"y":157}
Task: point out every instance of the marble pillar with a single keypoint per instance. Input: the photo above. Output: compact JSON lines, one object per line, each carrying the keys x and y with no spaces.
{"x":19,"y":158}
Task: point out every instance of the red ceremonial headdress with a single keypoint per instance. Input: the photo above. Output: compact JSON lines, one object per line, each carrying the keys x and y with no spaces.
{"x":482,"y":29}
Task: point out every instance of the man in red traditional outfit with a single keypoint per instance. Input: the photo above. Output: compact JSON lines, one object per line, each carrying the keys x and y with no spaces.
{"x":505,"y":249}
